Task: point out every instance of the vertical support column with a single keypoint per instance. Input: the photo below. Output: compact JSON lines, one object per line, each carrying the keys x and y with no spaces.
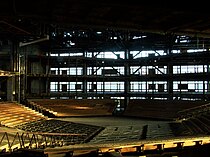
{"x":58,"y":86}
{"x":84,"y":83}
{"x":26,"y":75}
{"x":205,"y":81}
{"x":48,"y":86}
{"x":169,"y":44}
{"x":58,"y":91}
{"x":127,"y":81}
{"x":23,"y":72}
{"x":91,"y":90}
{"x":15,"y":68}
{"x":11,"y":88}
{"x":19,"y":79}
{"x":40,"y":86}
{"x":170,"y":80}
{"x":203,"y":97}
{"x":48,"y":73}
{"x":208,"y":85}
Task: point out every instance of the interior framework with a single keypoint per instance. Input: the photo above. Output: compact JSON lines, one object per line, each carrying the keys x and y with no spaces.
{"x":105,"y":64}
{"x":123,"y":51}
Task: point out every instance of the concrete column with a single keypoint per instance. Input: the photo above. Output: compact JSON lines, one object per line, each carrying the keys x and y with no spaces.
{"x":170,"y":79}
{"x":127,"y":81}
{"x":170,"y":39}
{"x":84,"y":83}
{"x":15,"y":82}
{"x":208,"y":83}
{"x":11,"y":89}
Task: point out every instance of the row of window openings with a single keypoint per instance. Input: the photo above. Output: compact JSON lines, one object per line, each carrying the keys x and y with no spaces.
{"x":185,"y":86}
{"x":121,"y":54}
{"x":122,"y":98}
{"x":133,"y":70}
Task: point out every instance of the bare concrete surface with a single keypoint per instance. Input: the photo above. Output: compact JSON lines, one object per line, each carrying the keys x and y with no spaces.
{"x":112,"y":121}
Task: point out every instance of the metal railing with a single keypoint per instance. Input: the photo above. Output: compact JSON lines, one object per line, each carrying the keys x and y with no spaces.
{"x":11,"y":141}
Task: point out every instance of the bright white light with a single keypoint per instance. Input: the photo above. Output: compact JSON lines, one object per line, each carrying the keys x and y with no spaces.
{"x":139,"y":37}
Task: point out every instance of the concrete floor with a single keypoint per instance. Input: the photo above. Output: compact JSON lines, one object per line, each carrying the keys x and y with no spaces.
{"x":112,"y":121}
{"x":124,"y":128}
{"x":117,"y":129}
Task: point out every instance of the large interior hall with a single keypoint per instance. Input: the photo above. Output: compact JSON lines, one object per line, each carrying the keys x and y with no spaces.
{"x":104,"y":78}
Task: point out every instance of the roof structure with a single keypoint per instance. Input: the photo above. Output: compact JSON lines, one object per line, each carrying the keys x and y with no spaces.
{"x":160,"y":21}
{"x":145,"y":16}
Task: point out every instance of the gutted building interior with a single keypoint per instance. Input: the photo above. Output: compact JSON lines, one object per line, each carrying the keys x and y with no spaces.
{"x":104,"y":78}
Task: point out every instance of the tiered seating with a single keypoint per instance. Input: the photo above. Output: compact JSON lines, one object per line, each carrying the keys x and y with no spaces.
{"x":179,"y":129}
{"x":193,"y":127}
{"x":158,"y":109}
{"x":68,"y":132}
{"x":199,"y":124}
{"x":13,"y":114}
{"x":72,"y":107}
{"x":196,"y":119}
{"x":193,"y":111}
{"x":205,"y":118}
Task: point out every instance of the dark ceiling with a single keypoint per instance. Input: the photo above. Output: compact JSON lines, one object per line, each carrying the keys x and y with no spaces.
{"x":30,"y":16}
